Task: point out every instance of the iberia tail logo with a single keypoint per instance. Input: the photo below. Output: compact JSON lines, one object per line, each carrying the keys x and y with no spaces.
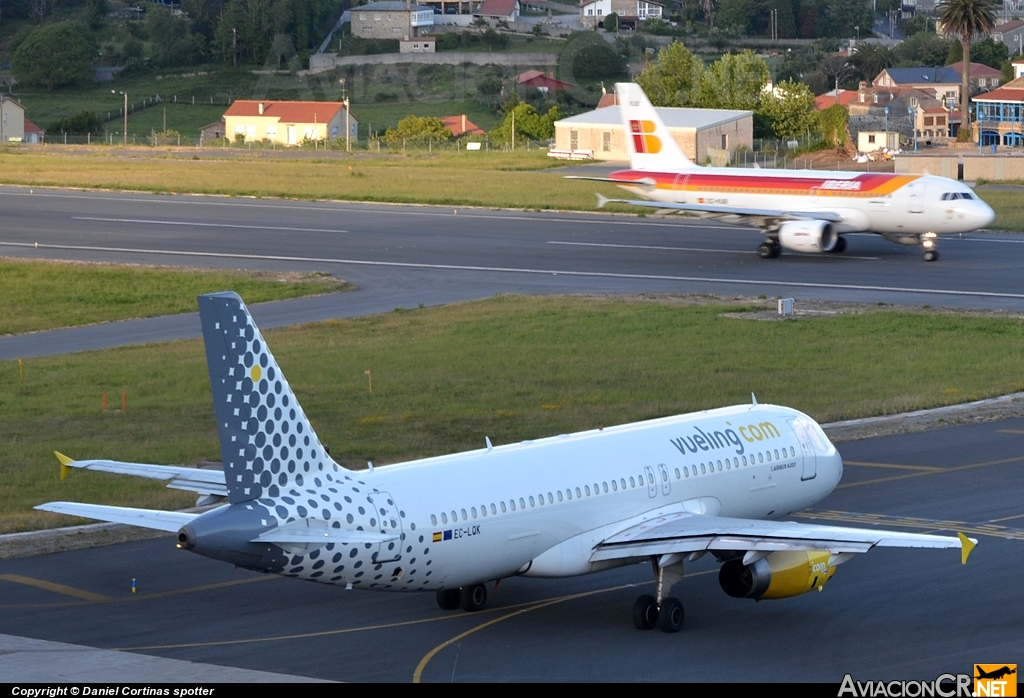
{"x":995,"y":680}
{"x":643,"y":139}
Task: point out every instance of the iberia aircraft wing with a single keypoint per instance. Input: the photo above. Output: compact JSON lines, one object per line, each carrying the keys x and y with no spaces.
{"x":688,"y":533}
{"x":205,"y":482}
{"x":738,"y":211}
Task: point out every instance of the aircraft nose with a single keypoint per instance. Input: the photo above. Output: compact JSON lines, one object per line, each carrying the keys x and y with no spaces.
{"x":985,"y":215}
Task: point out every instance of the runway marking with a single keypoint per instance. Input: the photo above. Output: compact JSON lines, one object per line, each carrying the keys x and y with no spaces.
{"x":514,"y":270}
{"x":391,"y":208}
{"x":55,"y":588}
{"x":937,"y":471}
{"x":981,"y":529}
{"x":417,"y":675}
{"x":1007,"y":518}
{"x":890,"y":465}
{"x":208,"y":225}
{"x":99,"y":598}
{"x":1010,"y":431}
{"x":680,"y":249}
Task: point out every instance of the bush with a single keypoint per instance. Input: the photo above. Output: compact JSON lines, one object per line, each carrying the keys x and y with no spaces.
{"x":81,"y":123}
{"x":598,"y":62}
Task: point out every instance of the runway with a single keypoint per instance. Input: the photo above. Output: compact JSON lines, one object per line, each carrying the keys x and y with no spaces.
{"x":404,"y":256}
{"x":886,"y":615}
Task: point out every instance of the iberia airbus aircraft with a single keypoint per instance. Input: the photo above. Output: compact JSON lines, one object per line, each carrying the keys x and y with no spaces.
{"x":800,"y":210}
{"x":664,"y":491}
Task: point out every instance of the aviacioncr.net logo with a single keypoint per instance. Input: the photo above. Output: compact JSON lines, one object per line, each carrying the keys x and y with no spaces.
{"x":944,"y":686}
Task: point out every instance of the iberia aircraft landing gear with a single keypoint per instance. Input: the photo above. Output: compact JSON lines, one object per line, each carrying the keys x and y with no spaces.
{"x":665,"y":612}
{"x":769,"y":249}
{"x":928,"y":241}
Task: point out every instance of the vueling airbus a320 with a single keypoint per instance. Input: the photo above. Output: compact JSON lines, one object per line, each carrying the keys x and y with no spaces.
{"x":799,"y":210}
{"x":664,"y":491}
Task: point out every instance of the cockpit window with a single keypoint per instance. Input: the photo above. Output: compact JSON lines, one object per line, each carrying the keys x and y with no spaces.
{"x":953,"y":195}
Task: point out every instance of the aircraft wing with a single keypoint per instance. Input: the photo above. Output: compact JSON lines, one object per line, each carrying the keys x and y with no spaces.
{"x":717,"y":210}
{"x":170,"y":521}
{"x":206,"y":482}
{"x":689,"y":533}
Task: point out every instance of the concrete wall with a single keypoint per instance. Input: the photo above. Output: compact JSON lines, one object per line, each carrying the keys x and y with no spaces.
{"x":323,"y":62}
{"x":991,"y":167}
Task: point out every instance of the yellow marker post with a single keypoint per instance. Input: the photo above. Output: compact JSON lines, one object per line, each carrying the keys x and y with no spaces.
{"x":21,"y":370}
{"x":369,"y":379}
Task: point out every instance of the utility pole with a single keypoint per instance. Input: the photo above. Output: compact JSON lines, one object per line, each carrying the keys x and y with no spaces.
{"x":234,"y":47}
{"x":348,"y":129}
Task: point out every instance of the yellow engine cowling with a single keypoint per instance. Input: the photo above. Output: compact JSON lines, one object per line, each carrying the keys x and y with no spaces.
{"x":779,"y":575}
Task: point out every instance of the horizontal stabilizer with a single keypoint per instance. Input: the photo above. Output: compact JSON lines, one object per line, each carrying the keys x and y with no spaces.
{"x":686,"y":533}
{"x":169,"y":521}
{"x":202,"y":481}
{"x":317,"y":531}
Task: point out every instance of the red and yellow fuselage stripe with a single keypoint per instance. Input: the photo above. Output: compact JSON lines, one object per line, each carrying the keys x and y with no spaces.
{"x":865,"y":185}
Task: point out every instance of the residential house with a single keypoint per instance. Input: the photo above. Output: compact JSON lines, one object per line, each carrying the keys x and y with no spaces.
{"x":390,"y":19}
{"x":1018,"y":68}
{"x":833,"y":97}
{"x":33,"y":134}
{"x":288,"y":123}
{"x":418,"y":44}
{"x":461,"y":126}
{"x":905,"y":110}
{"x":12,"y":121}
{"x":1011,"y":34}
{"x":545,"y":83}
{"x":943,"y":83}
{"x":212,"y":132}
{"x":630,"y":12}
{"x":983,"y":77}
{"x":1000,"y":115}
{"x":499,"y":10}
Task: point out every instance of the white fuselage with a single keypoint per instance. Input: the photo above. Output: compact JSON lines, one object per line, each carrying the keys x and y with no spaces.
{"x":540,"y":507}
{"x":888,"y":204}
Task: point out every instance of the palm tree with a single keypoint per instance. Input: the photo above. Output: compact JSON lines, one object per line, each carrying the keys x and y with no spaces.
{"x":966,"y":19}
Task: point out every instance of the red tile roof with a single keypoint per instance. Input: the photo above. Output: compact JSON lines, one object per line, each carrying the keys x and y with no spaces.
{"x":497,"y":8}
{"x":1003,"y":94}
{"x":978,"y":70}
{"x":32,"y":128}
{"x":460,"y":125}
{"x":287,"y":112}
{"x":822,"y":102}
{"x":608,"y":99}
{"x":535,"y":78}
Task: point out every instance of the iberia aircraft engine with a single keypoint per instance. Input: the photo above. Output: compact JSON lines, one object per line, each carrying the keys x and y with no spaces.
{"x":778,"y":575}
{"x":808,"y":236}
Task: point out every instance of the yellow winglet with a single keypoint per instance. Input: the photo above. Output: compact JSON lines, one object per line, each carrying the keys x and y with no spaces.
{"x":64,"y":461}
{"x":966,"y":546}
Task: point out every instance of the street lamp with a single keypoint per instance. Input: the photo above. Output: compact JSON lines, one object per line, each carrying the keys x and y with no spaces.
{"x":912,"y":113}
{"x":114,"y":92}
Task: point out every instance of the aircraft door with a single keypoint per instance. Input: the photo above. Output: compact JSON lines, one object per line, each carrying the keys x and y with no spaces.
{"x":666,"y":481}
{"x":680,"y":188}
{"x":389,"y":520}
{"x":652,"y":484}
{"x":810,"y":458}
{"x":916,"y":193}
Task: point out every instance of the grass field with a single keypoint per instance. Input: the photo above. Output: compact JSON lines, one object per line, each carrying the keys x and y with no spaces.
{"x":1008,"y":205}
{"x":44,"y":295}
{"x":477,"y":179}
{"x":509,"y":368}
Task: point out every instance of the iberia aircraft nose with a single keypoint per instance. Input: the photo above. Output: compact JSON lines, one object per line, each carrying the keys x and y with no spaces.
{"x":984,"y":214}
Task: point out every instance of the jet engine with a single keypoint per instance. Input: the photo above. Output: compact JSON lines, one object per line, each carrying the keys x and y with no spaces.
{"x":778,"y":575}
{"x":808,"y":236}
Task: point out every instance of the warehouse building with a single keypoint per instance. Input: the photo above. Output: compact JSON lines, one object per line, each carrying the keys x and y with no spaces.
{"x":702,"y":134}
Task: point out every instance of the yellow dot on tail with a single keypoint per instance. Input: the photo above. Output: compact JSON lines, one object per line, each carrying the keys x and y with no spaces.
{"x":256,"y":373}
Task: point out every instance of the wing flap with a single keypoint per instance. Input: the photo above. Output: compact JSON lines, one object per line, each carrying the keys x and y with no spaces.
{"x":727,"y":210}
{"x":170,"y":521}
{"x":687,"y":533}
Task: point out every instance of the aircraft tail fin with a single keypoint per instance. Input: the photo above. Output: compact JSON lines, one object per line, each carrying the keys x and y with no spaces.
{"x":266,"y":441}
{"x":651,"y":146}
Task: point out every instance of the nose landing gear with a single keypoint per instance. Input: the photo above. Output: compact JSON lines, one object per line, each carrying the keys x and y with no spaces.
{"x":928,"y":241}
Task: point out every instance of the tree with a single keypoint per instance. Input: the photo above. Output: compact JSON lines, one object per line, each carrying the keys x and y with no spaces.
{"x":872,"y":59}
{"x":735,"y":81}
{"x":990,"y":52}
{"x":611,"y":22}
{"x":923,"y":48}
{"x":965,"y":19}
{"x":790,"y":107}
{"x":54,"y":56}
{"x":528,"y":124}
{"x":417,"y":129}
{"x":674,"y":79}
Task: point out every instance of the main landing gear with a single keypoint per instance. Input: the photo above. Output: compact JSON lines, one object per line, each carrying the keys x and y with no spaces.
{"x":769,"y":249}
{"x":472,"y":598}
{"x":665,"y":612}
